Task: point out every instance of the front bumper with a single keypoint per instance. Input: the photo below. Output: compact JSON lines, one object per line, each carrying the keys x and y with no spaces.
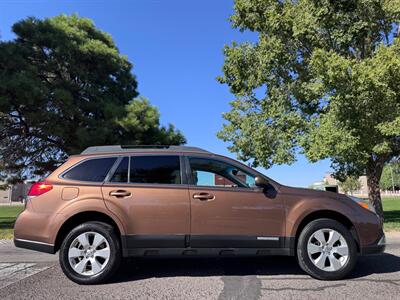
{"x":375,"y":248}
{"x":34,"y":245}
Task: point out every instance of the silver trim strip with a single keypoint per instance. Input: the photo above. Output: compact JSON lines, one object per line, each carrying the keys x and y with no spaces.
{"x":34,"y":242}
{"x":268,"y":238}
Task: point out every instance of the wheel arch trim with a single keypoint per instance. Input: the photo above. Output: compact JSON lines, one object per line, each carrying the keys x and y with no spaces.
{"x":74,"y":219}
{"x":323,"y":214}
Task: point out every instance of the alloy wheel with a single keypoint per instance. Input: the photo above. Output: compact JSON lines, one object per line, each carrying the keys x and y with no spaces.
{"x":89,"y":253}
{"x":328,"y":250}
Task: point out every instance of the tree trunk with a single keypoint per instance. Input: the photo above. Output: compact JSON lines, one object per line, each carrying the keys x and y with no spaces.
{"x":374,"y":173}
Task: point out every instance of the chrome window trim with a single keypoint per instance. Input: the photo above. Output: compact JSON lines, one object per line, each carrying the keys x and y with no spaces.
{"x":129,"y":169}
{"x":147,"y":185}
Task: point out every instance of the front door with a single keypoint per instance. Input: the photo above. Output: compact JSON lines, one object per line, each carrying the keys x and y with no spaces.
{"x":228,"y":210}
{"x":148,"y":194}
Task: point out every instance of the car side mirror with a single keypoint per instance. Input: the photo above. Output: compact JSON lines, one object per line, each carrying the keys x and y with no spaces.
{"x":261,"y":182}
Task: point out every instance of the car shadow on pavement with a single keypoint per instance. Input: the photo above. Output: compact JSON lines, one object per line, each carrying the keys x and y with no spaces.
{"x":140,"y":269}
{"x":376,"y":264}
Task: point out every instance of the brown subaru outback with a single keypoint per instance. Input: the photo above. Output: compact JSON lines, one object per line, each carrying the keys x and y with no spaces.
{"x":112,"y":202}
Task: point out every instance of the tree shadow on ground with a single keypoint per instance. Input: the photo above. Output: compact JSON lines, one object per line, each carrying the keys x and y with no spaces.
{"x":392,"y":216}
{"x":140,"y":269}
{"x":7,"y":223}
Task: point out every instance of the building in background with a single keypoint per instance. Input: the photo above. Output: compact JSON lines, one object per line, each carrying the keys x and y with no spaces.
{"x":329,"y":183}
{"x":15,"y":193}
{"x":328,"y":178}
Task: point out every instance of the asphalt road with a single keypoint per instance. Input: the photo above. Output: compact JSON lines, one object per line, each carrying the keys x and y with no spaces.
{"x":29,"y":275}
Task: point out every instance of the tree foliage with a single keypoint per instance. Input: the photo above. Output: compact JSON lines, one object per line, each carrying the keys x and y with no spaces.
{"x":65,"y":86}
{"x":141,"y":125}
{"x":350,"y":185}
{"x":322,"y":80}
{"x":391,"y":176}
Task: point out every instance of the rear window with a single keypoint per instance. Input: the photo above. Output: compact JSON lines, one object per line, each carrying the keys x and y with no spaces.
{"x":93,"y":170}
{"x":155,"y":169}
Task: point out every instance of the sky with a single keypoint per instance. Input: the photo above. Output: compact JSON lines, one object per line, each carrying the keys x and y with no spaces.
{"x":176,"y":50}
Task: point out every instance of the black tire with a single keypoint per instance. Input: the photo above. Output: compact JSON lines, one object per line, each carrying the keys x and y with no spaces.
{"x":114,"y":261}
{"x":308,"y":266}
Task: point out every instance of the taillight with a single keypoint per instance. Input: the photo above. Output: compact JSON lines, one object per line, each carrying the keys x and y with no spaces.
{"x":39,"y":188}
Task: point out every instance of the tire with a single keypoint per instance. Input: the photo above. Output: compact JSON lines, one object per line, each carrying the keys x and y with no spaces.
{"x":90,"y":253}
{"x":326,"y":261}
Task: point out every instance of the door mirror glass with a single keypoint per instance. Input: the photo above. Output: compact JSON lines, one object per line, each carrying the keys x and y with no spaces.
{"x":261,"y":182}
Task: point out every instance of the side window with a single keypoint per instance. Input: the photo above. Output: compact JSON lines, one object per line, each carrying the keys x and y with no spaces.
{"x":121,"y":173}
{"x":93,"y":170}
{"x":211,"y":172}
{"x":155,"y":169}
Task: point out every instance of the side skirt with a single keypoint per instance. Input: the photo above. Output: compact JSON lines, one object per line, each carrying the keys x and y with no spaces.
{"x":205,"y":252}
{"x":205,"y":245}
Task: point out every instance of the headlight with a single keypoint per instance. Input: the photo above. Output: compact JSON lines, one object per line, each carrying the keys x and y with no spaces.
{"x":364,"y":203}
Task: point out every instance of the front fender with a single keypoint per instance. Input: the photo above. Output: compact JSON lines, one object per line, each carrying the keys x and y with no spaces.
{"x":299,"y":210}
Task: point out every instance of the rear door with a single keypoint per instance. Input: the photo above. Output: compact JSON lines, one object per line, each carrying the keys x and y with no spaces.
{"x":149,"y":195}
{"x":227,"y":210}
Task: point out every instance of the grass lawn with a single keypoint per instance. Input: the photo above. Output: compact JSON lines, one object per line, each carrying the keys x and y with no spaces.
{"x":8,"y":215}
{"x":391,"y":206}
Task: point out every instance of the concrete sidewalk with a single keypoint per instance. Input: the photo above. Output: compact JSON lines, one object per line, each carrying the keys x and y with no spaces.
{"x":392,"y":237}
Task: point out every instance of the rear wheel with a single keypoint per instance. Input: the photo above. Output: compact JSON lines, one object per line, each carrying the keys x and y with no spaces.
{"x":90,"y":253}
{"x":326,"y":250}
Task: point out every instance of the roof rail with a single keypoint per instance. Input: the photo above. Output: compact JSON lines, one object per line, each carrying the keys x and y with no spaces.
{"x":140,"y":148}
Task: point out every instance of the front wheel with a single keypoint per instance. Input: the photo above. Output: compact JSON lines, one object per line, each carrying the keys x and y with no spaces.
{"x":90,"y":253}
{"x":326,"y":250}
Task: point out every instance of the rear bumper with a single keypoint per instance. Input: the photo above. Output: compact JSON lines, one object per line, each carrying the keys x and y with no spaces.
{"x":34,"y":245}
{"x":35,"y":231}
{"x":375,"y":248}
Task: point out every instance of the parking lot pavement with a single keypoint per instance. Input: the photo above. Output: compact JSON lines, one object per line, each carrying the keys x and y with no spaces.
{"x":14,"y":272}
{"x":9,"y":253}
{"x":202,"y":278}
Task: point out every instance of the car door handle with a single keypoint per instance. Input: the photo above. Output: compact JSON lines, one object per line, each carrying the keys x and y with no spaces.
{"x":203,"y":196}
{"x":120,"y":193}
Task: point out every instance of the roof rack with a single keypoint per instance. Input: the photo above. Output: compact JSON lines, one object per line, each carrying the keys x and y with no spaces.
{"x":140,"y":148}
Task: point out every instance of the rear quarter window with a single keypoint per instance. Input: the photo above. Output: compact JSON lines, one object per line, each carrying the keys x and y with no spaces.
{"x":92,"y":170}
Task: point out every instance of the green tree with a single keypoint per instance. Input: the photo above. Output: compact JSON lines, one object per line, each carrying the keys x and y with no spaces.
{"x":350,"y":184}
{"x":390,"y":176}
{"x":142,"y":125}
{"x":64,"y":86}
{"x":322,"y":80}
